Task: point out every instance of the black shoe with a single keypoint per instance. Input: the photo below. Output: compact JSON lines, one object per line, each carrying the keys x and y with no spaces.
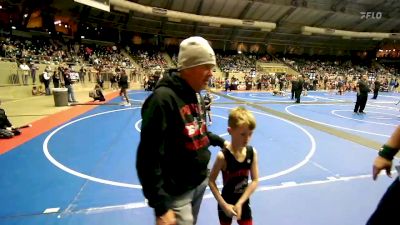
{"x":361,"y":112}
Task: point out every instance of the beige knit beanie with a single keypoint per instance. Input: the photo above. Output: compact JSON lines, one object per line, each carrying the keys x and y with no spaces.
{"x":195,"y":51}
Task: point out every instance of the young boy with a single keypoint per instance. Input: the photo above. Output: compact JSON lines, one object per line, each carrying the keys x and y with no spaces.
{"x":236,"y":162}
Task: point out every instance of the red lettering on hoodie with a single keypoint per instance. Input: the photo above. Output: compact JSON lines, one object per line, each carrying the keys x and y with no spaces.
{"x":198,"y":144}
{"x":195,"y":127}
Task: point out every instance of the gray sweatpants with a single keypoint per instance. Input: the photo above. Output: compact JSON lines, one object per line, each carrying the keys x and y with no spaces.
{"x":187,"y":205}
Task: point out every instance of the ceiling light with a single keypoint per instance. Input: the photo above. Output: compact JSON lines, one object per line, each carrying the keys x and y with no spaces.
{"x":176,"y":20}
{"x":120,"y":9}
{"x":214,"y":25}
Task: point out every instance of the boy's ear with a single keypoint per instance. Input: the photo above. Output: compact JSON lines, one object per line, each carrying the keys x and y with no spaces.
{"x":229,"y":130}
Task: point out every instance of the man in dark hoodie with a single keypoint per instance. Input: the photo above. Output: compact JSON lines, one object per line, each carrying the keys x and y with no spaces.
{"x":173,"y":155}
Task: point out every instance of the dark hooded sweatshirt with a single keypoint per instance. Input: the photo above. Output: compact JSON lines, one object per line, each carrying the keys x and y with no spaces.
{"x":4,"y":122}
{"x":173,"y":154}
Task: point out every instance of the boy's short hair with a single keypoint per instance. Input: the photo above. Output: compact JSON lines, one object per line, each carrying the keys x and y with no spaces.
{"x":240,"y":116}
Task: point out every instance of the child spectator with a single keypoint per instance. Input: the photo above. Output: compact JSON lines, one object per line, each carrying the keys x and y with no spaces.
{"x":35,"y":91}
{"x":97,"y":94}
{"x":41,"y":90}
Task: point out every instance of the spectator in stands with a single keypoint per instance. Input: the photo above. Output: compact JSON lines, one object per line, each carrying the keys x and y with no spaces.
{"x":6,"y":128}
{"x":68,"y":84}
{"x":25,"y":72}
{"x":56,"y":78}
{"x":34,"y":68}
{"x":46,"y":81}
{"x":37,"y":91}
{"x":41,"y":90}
{"x":82,"y":74}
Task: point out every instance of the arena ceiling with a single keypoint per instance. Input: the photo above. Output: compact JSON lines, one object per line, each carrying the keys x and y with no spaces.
{"x":289,"y":16}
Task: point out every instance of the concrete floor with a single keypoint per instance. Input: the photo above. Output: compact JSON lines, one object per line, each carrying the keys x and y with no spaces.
{"x":22,"y":108}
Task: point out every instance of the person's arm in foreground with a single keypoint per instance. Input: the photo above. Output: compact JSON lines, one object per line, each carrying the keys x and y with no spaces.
{"x":216,"y":140}
{"x":386,"y":154}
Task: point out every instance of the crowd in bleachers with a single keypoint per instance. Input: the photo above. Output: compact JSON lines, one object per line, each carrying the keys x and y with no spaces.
{"x":89,"y":60}
{"x":236,"y":63}
{"x":331,"y":70}
{"x":102,"y":63}
{"x":150,"y":59}
{"x":37,"y":50}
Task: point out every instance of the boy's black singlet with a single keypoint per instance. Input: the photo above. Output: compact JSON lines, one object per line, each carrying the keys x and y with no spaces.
{"x":235,"y":178}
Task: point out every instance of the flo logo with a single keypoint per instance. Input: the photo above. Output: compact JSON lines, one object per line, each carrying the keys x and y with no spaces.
{"x":371,"y":15}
